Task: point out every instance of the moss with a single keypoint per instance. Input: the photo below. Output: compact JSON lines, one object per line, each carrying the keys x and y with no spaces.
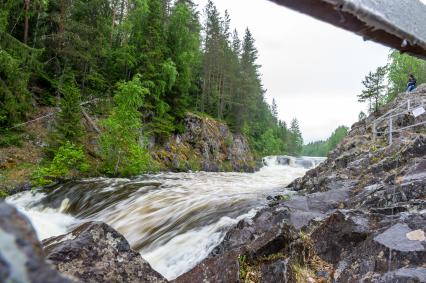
{"x":243,"y":266}
{"x":273,"y":257}
{"x":301,"y":274}
{"x":3,"y":194}
{"x":286,"y":197}
{"x":15,"y":176}
{"x":249,"y":273}
{"x":194,"y":164}
{"x":226,"y":166}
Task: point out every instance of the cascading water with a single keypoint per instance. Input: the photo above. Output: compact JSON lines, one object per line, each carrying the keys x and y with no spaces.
{"x":173,"y":219}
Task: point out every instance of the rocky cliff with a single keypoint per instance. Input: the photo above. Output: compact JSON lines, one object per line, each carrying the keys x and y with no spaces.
{"x":206,"y":144}
{"x":358,"y":217}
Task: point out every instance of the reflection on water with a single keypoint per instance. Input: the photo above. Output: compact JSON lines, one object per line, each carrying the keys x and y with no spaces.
{"x":173,"y":219}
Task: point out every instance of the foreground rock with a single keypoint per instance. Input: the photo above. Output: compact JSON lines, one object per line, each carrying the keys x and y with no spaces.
{"x":21,"y":255}
{"x":94,"y":252}
{"x":358,"y":217}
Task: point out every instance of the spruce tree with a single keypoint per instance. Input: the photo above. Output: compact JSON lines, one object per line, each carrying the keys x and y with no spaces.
{"x":295,"y":146}
{"x":374,"y":87}
{"x":67,"y":126}
{"x":183,"y":41}
{"x":157,"y":71}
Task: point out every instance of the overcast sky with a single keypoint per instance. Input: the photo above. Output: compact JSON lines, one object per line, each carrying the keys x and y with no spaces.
{"x":312,"y":69}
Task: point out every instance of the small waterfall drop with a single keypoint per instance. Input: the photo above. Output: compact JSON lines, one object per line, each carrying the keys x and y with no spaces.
{"x":173,"y":219}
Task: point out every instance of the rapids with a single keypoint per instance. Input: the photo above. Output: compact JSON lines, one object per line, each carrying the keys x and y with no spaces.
{"x":173,"y":219}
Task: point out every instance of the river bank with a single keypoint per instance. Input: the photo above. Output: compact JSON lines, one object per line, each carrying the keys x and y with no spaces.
{"x":206,"y":144}
{"x":358,"y":216}
{"x":173,"y":219}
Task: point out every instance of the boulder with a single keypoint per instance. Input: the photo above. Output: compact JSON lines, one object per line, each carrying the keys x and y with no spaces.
{"x":95,"y":252}
{"x":21,"y":255}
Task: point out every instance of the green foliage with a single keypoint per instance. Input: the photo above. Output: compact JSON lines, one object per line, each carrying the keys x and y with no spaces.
{"x":400,"y":66}
{"x":89,"y":49}
{"x":3,"y":194}
{"x":183,"y":41}
{"x":269,"y":143}
{"x":68,"y":160}
{"x":242,"y":260}
{"x":10,"y":138}
{"x":120,"y":143}
{"x":295,"y":145}
{"x":397,"y":72}
{"x":14,"y":96}
{"x":374,"y":86}
{"x":322,"y":148}
{"x":67,"y":125}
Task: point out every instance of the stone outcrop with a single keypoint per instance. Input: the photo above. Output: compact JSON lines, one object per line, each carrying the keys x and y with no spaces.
{"x":360,"y":216}
{"x":94,"y":252}
{"x":21,"y":255}
{"x":208,"y":145}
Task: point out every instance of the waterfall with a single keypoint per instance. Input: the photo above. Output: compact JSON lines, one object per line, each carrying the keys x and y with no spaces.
{"x":173,"y":219}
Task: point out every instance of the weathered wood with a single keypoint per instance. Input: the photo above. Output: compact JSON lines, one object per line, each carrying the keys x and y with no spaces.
{"x":90,"y":121}
{"x":395,"y":23}
{"x":48,"y":115}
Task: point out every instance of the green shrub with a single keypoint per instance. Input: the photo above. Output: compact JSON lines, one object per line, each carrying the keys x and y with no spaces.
{"x":3,"y":194}
{"x":68,"y":160}
{"x":10,"y":139}
{"x":121,"y":140}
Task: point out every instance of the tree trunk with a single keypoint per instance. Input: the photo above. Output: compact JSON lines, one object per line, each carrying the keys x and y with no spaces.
{"x":26,"y":21}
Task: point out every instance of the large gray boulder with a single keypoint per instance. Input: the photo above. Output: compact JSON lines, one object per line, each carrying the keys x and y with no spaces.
{"x":95,"y":252}
{"x":21,"y":255}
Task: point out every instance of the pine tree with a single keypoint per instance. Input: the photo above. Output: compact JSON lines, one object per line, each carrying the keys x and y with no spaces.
{"x":274,"y":109}
{"x":295,"y":146}
{"x":374,"y":88}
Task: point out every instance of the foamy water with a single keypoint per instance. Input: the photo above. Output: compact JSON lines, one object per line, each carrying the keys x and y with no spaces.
{"x":173,"y":219}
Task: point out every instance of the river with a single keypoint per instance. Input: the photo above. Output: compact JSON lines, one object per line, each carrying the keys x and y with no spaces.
{"x":173,"y":219}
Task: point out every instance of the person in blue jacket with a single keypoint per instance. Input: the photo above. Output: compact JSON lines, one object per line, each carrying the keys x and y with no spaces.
{"x":412,"y":83}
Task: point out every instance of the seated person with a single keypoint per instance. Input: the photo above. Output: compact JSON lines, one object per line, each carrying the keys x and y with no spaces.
{"x":412,"y":82}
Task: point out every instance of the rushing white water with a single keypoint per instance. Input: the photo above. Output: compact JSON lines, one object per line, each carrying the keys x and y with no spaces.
{"x":173,"y":219}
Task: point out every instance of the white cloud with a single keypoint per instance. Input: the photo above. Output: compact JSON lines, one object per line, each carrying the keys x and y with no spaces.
{"x":313,"y":70}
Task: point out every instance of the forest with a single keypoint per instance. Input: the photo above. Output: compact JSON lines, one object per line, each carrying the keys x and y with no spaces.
{"x":146,"y":62}
{"x":380,"y":86}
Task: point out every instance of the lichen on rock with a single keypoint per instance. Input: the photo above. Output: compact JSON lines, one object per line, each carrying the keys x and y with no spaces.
{"x":206,"y":144}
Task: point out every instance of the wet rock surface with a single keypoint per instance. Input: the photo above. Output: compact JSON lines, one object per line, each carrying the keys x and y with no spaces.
{"x":21,"y":255}
{"x":208,"y":145}
{"x":94,"y":252}
{"x":360,"y":216}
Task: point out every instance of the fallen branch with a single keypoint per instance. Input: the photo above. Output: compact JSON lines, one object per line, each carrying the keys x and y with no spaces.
{"x":53,"y":113}
{"x":90,"y":121}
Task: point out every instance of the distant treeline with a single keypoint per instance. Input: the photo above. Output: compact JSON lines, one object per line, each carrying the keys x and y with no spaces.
{"x":322,"y":148}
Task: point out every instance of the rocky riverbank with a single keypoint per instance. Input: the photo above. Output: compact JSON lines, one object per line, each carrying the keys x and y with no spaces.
{"x":206,"y":144}
{"x":91,"y":252}
{"x":358,"y":217}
